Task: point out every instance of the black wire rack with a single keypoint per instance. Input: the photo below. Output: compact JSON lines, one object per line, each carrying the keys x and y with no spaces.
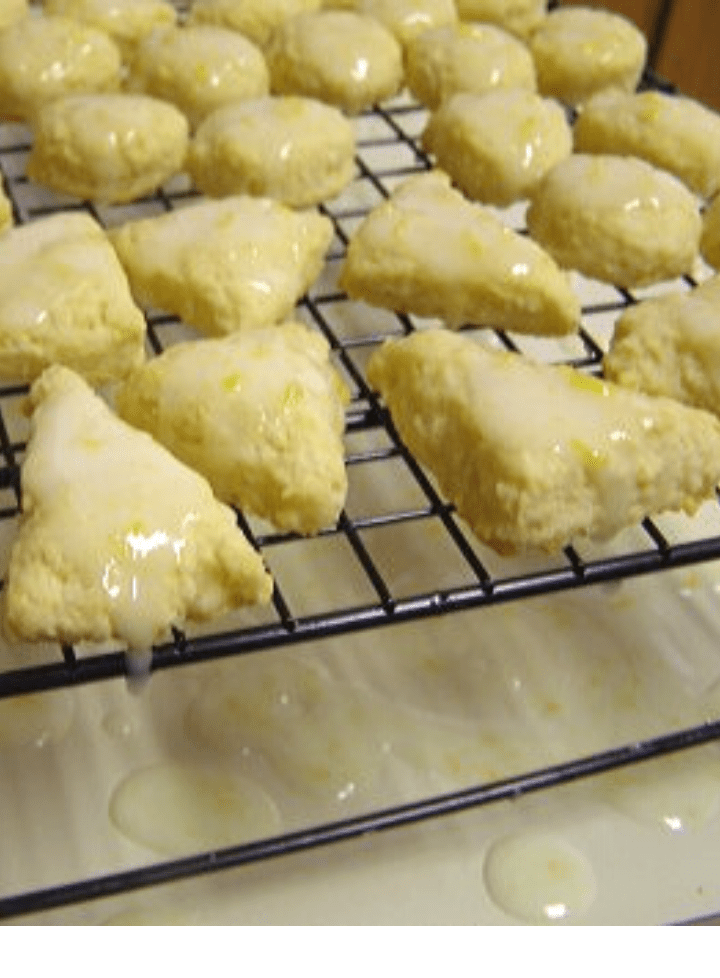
{"x":388,"y":151}
{"x":482,"y":578}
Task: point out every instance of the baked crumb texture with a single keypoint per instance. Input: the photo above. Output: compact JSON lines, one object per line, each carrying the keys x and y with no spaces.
{"x":461,"y":57}
{"x":295,"y":149}
{"x":477,"y":270}
{"x":366,"y":64}
{"x":198,"y":69}
{"x":45,"y":57}
{"x":617,"y":219}
{"x":497,"y":146}
{"x":670,"y":346}
{"x":118,"y":539}
{"x":520,"y":17}
{"x":536,"y":456}
{"x":579,"y":51}
{"x":109,"y":148}
{"x":256,"y":19}
{"x":128,"y":22}
{"x":64,"y":298}
{"x":674,"y":133}
{"x":278,"y":388}
{"x":406,"y":19}
{"x":221,"y":266}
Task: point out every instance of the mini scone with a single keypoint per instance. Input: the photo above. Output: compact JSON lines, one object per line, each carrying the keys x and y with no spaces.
{"x":64,"y":298}
{"x":428,"y":250}
{"x":117,"y":539}
{"x":537,"y":456}
{"x":498,"y":146}
{"x":12,"y":10}
{"x":277,"y":388}
{"x":298,"y":150}
{"x":45,"y":57}
{"x":198,"y":69}
{"x":675,"y":133}
{"x":256,"y":19}
{"x":366,"y":64}
{"x":670,"y":345}
{"x":520,"y":17}
{"x":617,"y":219}
{"x":408,"y":18}
{"x":710,"y":236}
{"x":227,"y":265}
{"x":466,"y":57}
{"x":126,"y":21}
{"x":579,"y":51}
{"x":109,"y":148}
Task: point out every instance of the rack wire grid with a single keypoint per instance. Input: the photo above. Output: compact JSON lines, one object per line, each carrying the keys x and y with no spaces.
{"x":388,"y":151}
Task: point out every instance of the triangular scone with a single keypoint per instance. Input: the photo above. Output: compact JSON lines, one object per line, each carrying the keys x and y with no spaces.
{"x":118,"y":539}
{"x":670,"y":345}
{"x":533,"y":455}
{"x":259,"y":414}
{"x":428,"y":250}
{"x":64,"y":298}
{"x":224,"y":265}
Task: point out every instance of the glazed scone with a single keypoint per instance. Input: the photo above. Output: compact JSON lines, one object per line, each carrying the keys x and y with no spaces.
{"x":675,"y":133}
{"x":118,"y":539}
{"x":256,"y":19}
{"x":537,"y":456}
{"x":64,"y":298}
{"x":617,"y":219}
{"x":428,"y":250}
{"x":110,"y":148}
{"x":11,"y":11}
{"x":498,"y":146}
{"x":405,"y":19}
{"x":295,"y":149}
{"x":227,"y":265}
{"x":366,"y":64}
{"x":579,"y":51}
{"x":44,"y":57}
{"x":466,"y":57}
{"x":670,"y":345}
{"x":126,"y":21}
{"x":278,"y":388}
{"x":198,"y":69}
{"x":710,"y":236}
{"x":520,"y":17}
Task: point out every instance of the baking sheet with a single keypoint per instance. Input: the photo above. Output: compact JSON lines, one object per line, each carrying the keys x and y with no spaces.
{"x":105,"y":778}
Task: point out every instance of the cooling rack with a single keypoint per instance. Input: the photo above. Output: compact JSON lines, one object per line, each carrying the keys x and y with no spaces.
{"x":461,"y":573}
{"x":388,"y":152}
